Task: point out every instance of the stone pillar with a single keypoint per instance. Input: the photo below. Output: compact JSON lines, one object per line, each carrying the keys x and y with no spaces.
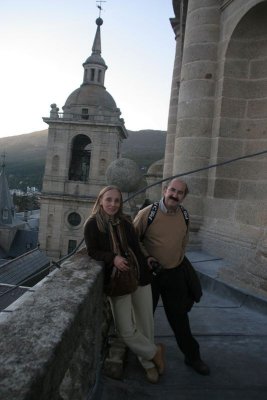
{"x":178,"y":25}
{"x":196,"y":98}
{"x":172,"y":119}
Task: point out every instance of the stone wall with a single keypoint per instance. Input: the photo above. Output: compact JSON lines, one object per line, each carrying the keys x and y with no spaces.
{"x":51,"y":337}
{"x":235,"y":212}
{"x":220,"y":114}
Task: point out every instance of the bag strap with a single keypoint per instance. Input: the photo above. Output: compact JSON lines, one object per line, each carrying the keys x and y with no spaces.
{"x":153,"y":212}
{"x":186,"y":215}
{"x":151,"y":216}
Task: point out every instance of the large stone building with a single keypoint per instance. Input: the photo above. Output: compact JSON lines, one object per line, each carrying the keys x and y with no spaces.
{"x":18,"y":231}
{"x":82,"y":142}
{"x":218,"y":111}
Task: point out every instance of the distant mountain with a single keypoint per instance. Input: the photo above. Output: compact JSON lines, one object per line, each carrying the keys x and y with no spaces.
{"x":25,"y":154}
{"x":144,"y":147}
{"x":25,"y":159}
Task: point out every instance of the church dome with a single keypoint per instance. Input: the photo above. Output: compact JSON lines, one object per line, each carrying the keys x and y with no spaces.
{"x":95,"y":59}
{"x":156,"y":169}
{"x":90,"y":95}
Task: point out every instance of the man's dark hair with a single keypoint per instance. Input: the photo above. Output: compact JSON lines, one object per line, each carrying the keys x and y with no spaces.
{"x":167,"y":184}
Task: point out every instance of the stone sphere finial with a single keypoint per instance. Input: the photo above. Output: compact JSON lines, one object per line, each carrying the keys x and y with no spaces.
{"x":125,"y":174}
{"x":99,"y":21}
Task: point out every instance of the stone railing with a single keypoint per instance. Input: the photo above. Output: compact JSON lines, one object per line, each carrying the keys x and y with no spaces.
{"x":110,"y":117}
{"x":52,"y":337}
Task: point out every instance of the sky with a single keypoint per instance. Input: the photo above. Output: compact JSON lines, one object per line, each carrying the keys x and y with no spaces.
{"x":45,"y":42}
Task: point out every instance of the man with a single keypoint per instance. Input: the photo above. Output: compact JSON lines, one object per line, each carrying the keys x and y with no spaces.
{"x":164,"y":240}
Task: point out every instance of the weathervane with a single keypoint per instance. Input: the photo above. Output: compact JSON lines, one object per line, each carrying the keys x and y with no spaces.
{"x":100,"y":6}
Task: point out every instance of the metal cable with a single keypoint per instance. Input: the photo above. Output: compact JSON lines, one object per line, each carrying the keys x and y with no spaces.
{"x":23,"y":281}
{"x":195,"y":171}
{"x":58,"y":262}
{"x":169,"y":178}
{"x":93,"y":392}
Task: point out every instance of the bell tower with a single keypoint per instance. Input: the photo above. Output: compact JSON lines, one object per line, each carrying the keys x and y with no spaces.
{"x":82,"y":141}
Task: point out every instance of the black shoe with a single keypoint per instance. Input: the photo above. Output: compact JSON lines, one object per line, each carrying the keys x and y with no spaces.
{"x":198,"y":365}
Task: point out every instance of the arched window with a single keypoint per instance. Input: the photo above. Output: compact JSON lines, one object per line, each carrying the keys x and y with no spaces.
{"x":50,"y":221}
{"x":80,"y":159}
{"x":71,"y":245}
{"x":92,"y":74}
{"x":48,"y":242}
{"x":99,"y":76}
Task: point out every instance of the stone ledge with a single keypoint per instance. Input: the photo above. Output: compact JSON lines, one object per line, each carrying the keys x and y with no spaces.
{"x":209,"y":269}
{"x":50,"y":342}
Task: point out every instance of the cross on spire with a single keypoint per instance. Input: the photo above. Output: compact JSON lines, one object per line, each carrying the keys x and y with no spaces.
{"x":100,"y":6}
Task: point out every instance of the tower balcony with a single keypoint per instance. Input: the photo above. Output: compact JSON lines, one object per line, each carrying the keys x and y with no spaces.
{"x":107,"y":118}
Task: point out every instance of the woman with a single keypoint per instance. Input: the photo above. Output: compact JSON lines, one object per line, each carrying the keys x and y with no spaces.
{"x":106,"y":233}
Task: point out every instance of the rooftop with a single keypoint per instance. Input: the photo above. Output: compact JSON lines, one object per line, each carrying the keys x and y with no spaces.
{"x":230,"y":325}
{"x":24,"y":268}
{"x":61,"y":313}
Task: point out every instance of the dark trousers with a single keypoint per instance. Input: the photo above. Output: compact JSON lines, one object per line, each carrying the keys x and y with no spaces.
{"x":171,"y":286}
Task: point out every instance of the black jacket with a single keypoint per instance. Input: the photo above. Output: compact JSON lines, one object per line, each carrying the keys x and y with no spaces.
{"x":98,"y":246}
{"x":192,"y":280}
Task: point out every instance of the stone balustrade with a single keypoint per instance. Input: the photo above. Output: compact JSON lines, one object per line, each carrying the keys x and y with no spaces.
{"x":51,"y":337}
{"x":97,"y":118}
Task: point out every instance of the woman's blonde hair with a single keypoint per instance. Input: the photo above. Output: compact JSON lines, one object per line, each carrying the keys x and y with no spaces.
{"x":98,"y":212}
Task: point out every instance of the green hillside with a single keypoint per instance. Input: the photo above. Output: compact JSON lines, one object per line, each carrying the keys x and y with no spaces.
{"x":25,"y":159}
{"x":144,"y":147}
{"x":25,"y":154}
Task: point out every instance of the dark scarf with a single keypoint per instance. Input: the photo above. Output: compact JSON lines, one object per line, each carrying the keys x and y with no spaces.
{"x":119,"y":242}
{"x":117,"y":236}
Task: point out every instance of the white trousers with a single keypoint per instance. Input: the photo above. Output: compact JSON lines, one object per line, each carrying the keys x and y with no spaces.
{"x":133,"y":317}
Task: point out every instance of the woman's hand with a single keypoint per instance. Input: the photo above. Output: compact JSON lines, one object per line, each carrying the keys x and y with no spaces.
{"x":121,"y":263}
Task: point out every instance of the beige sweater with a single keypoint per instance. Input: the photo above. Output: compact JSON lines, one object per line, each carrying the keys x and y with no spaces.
{"x":165,"y":239}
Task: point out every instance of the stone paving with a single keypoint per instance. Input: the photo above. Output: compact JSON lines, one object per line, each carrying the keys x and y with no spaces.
{"x":231,"y":327}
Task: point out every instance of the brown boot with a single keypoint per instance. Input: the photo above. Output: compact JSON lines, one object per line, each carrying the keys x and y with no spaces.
{"x":158,"y":358}
{"x":152,"y":375}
